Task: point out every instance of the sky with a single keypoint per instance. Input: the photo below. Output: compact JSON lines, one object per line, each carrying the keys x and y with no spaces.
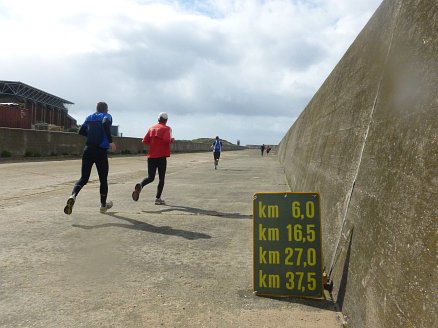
{"x":239,"y":69}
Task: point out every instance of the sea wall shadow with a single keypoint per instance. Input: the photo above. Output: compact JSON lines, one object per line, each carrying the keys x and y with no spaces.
{"x":344,"y":278}
{"x":320,"y":303}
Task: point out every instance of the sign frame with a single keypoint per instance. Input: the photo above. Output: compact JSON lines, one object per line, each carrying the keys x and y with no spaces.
{"x":280,"y":248}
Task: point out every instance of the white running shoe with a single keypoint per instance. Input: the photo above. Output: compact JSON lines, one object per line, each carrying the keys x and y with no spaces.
{"x":160,"y":201}
{"x":108,"y":205}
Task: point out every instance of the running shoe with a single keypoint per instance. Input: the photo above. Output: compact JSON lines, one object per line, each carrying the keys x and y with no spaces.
{"x":136,"y":192}
{"x":160,"y":201}
{"x":107,"y":206}
{"x":69,"y":207}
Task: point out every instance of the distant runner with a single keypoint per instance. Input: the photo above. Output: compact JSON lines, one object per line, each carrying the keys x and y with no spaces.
{"x":97,"y":129}
{"x":217,"y":148}
{"x":159,"y":138}
{"x":262,"y":148}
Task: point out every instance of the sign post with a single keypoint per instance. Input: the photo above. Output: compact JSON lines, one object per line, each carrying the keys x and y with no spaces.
{"x":287,"y":255}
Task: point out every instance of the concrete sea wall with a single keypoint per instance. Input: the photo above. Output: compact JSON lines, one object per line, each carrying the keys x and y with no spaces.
{"x":368,"y":143}
{"x":25,"y":142}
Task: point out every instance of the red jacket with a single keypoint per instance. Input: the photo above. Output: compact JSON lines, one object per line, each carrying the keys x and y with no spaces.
{"x":159,"y":139}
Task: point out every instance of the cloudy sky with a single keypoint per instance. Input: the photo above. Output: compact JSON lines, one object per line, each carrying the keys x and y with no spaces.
{"x":240,"y":69}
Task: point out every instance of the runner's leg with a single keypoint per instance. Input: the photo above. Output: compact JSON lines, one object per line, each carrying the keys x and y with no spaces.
{"x":87,"y":164}
{"x":102,"y":170}
{"x":88,"y":159}
{"x":152,"y":170}
{"x":162,"y":166}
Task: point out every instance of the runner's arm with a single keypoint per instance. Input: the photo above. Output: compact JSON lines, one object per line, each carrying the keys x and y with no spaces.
{"x":83,"y":131}
{"x":147,"y":138}
{"x":107,"y":129}
{"x":167,"y":138}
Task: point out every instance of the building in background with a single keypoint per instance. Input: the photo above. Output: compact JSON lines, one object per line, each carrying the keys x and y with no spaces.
{"x":25,"y":107}
{"x":115,"y":130}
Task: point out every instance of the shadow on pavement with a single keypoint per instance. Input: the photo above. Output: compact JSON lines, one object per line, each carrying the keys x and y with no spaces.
{"x":142,"y":226}
{"x":200,"y":211}
{"x":323,"y":304}
{"x":235,"y":170}
{"x":320,"y":303}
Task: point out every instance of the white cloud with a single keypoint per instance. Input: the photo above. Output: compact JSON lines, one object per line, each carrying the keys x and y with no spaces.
{"x":243,"y":69}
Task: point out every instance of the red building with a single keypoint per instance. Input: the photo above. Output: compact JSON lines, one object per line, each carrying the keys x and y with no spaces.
{"x":23,"y":106}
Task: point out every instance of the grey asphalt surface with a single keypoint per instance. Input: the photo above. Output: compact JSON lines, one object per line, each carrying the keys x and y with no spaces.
{"x":184,"y":264}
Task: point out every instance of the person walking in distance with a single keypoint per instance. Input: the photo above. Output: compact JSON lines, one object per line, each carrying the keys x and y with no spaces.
{"x":159,"y":138}
{"x":97,"y":130}
{"x":217,"y":148}
{"x":262,"y":148}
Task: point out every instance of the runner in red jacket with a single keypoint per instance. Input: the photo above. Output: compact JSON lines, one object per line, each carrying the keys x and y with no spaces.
{"x":159,"y":138}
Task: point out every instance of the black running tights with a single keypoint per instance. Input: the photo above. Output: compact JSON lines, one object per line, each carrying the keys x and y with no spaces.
{"x":98,"y":156}
{"x":154,"y":164}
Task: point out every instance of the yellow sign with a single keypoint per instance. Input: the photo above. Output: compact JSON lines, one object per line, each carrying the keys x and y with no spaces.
{"x":287,"y":255}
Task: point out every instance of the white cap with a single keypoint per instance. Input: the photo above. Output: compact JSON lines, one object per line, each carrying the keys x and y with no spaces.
{"x":163,"y":115}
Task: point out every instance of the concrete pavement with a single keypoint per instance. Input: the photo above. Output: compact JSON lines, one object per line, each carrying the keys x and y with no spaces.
{"x":185,"y":264}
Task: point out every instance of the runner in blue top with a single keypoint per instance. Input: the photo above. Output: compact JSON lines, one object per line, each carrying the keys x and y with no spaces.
{"x":97,"y":130}
{"x":217,"y":148}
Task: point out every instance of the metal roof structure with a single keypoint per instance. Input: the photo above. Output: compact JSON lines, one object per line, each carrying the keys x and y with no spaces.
{"x":25,"y":92}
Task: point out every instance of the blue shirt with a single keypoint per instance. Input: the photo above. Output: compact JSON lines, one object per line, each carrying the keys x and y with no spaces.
{"x":97,"y":129}
{"x":217,"y":146}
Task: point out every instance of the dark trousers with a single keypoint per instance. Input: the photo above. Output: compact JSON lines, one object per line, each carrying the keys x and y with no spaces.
{"x":154,"y":164}
{"x":98,"y":156}
{"x":216,"y":155}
